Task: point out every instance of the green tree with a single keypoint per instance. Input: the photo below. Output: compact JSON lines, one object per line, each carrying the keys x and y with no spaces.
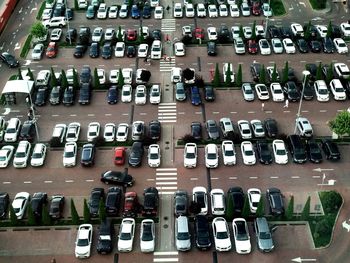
{"x":323,"y":227}
{"x":13,"y":217}
{"x":319,"y":72}
{"x":141,"y":37}
{"x":285,"y":73}
{"x":274,"y":73}
{"x":260,"y":211}
{"x":228,"y":73}
{"x":87,"y":216}
{"x":216,"y":80}
{"x":130,"y":3}
{"x":329,"y":29}
{"x":239,"y":77}
{"x":53,"y":80}
{"x":120,"y":78}
{"x":331,"y":201}
{"x":241,"y":33}
{"x":30,"y":75}
{"x":290,"y":208}
{"x":306,"y":210}
{"x":329,"y":75}
{"x":253,"y":31}
{"x":102,"y":210}
{"x":74,"y":213}
{"x":38,"y":30}
{"x":45,"y":217}
{"x":229,"y":208}
{"x":19,"y":74}
{"x":246,"y":208}
{"x":97,"y":83}
{"x":120,"y":35}
{"x":262,"y":75}
{"x":75,"y":80}
{"x":239,"y":3}
{"x":341,"y":124}
{"x":76,"y":5}
{"x":31,"y":217}
{"x":307,"y":33}
{"x":64,"y":81}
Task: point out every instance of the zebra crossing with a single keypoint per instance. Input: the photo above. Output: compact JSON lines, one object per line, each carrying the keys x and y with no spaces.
{"x":167,"y":112}
{"x":168,"y":25}
{"x":166,"y":256}
{"x":166,"y":180}
{"x":167,"y":65}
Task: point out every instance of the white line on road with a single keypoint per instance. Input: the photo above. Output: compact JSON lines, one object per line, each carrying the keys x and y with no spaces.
{"x":91,"y":115}
{"x":216,"y":112}
{"x":251,"y":112}
{"x":193,"y":178}
{"x":69,"y":181}
{"x":174,"y":110}
{"x":166,"y":117}
{"x":323,"y":110}
{"x":165,"y":174}
{"x":6,"y":182}
{"x":165,"y":178}
{"x":168,"y":121}
{"x":295,"y":177}
{"x":150,"y":180}
{"x":340,"y":110}
{"x":89,"y":180}
{"x":55,"y":115}
{"x":181,"y":113}
{"x":125,"y":114}
{"x":286,"y":111}
{"x":47,"y":182}
{"x":316,"y":176}
{"x":166,"y":113}
{"x":198,"y":112}
{"x":73,"y":115}
{"x":233,"y":112}
{"x":143,"y":113}
{"x":166,"y":169}
{"x":166,"y":193}
{"x":27,"y":182}
{"x":166,"y":187}
{"x":273,"y":177}
{"x":166,"y":103}
{"x":108,"y":114}
{"x":304,"y":111}
{"x":268,"y":111}
{"x":232,"y":178}
{"x":214,"y":178}
{"x":253,"y":177}
{"x":166,"y":183}
{"x":166,"y":253}
{"x":165,"y":260}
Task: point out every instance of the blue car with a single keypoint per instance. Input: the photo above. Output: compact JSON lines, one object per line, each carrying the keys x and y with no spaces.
{"x":146,"y":13}
{"x":195,"y":96}
{"x":135,"y":12}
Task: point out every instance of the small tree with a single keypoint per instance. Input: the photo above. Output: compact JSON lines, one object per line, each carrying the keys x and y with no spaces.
{"x":53,"y":80}
{"x":285,"y":73}
{"x":319,"y":72}
{"x":274,"y":74}
{"x":341,"y":124}
{"x":45,"y":217}
{"x":306,"y":210}
{"x":216,"y":80}
{"x":262,"y":75}
{"x":239,"y":3}
{"x":331,"y":201}
{"x":307,"y":33}
{"x":13,"y":217}
{"x":38,"y":30}
{"x":76,"y":5}
{"x":246,"y":208}
{"x":260,"y":211}
{"x":329,"y":29}
{"x":141,"y":37}
{"x":31,"y":217}
{"x":120,"y":35}
{"x":64,"y":81}
{"x":329,"y":75}
{"x":253,"y":31}
{"x":74,"y":213}
{"x":30,"y":75}
{"x":97,"y":83}
{"x":130,"y":3}
{"x":75,"y":80}
{"x":19,"y":74}
{"x":229,"y":208}
{"x":120,"y":79}
{"x":228,"y":73}
{"x":290,"y":208}
{"x":101,"y":210}
{"x":87,"y":216}
{"x":239,"y":77}
{"x":241,"y":33}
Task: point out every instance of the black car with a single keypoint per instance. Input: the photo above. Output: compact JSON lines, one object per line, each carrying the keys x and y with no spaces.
{"x":180,"y":203}
{"x":156,"y":34}
{"x":335,"y":31}
{"x":286,"y":32}
{"x":70,"y":13}
{"x":136,"y":154}
{"x":202,"y":232}
{"x":105,"y":237}
{"x":211,"y":48}
{"x":130,"y":51}
{"x":146,"y":13}
{"x":224,"y":34}
{"x":113,"y":199}
{"x":79,"y":51}
{"x":55,"y":95}
{"x":312,"y":68}
{"x":331,"y":150}
{"x":292,"y":92}
{"x":150,"y":204}
{"x":71,"y":35}
{"x":37,"y":203}
{"x":274,"y":32}
{"x":84,"y":94}
{"x":264,"y":152}
{"x":112,"y":95}
{"x":302,"y":45}
{"x":27,"y":131}
{"x":196,"y":130}
{"x":97,"y":195}
{"x":41,"y":97}
{"x":56,"y":206}
{"x":315,"y":46}
{"x":236,"y":195}
{"x":346,"y":85}
{"x":84,"y":35}
{"x":255,"y":69}
{"x":9,"y":60}
{"x":118,"y":178}
{"x":88,"y":155}
{"x":271,"y":127}
{"x":328,"y":46}
{"x":107,"y":50}
{"x":4,"y":204}
{"x":314,"y":151}
{"x":58,"y":11}
{"x":209,"y":94}
{"x":68,"y":96}
{"x":85,"y":75}
{"x":291,"y":74}
{"x":274,"y":197}
{"x":308,"y":93}
{"x":94,"y":50}
{"x":297,"y":148}
{"x":154,"y":130}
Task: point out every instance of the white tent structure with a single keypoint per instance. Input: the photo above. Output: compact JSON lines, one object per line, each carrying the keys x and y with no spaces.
{"x":18,"y":86}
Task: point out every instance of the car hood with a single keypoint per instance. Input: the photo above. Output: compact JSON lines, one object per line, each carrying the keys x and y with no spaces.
{"x":223,"y":243}
{"x":243,"y":245}
{"x":147,"y":245}
{"x":82,"y":250}
{"x":265,"y":244}
{"x":183,"y":244}
{"x":124,"y":244}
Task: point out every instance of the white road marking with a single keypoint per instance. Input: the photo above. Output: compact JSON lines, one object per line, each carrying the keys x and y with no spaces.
{"x":233,"y":112}
{"x":108,"y":114}
{"x":165,"y":178}
{"x":165,"y":174}
{"x":253,"y":177}
{"x":295,"y":177}
{"x":323,"y":110}
{"x":286,"y":111}
{"x":167,"y":187}
{"x":232,"y":178}
{"x":6,"y":182}
{"x":193,"y":178}
{"x":55,"y":115}
{"x":165,"y":260}
{"x":268,"y":111}
{"x":143,"y":113}
{"x":47,"y":182}
{"x":166,"y":193}
{"x":89,"y":180}
{"x":150,"y":179}
{"x":69,"y":181}
{"x":125,"y":114}
{"x":214,"y":178}
{"x":27,"y":182}
{"x":216,"y":112}
{"x":251,"y":112}
{"x":166,"y":169}
{"x":73,"y":115}
{"x":91,"y":115}
{"x":166,"y":253}
{"x":273,"y":177}
{"x":166,"y":183}
{"x":316,"y":176}
{"x":304,"y":111}
{"x":198,"y":112}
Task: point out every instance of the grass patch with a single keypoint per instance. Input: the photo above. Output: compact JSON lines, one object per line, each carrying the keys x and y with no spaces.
{"x":278,"y":7}
{"x":26,"y":46}
{"x":318,"y":4}
{"x":41,"y":10}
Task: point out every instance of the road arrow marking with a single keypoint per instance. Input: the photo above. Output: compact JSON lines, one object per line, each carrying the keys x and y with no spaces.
{"x":17,"y":46}
{"x":299,"y":260}
{"x":322,"y":170}
{"x":33,"y":9}
{"x":27,"y":62}
{"x":7,"y":111}
{"x":346,"y":226}
{"x":20,"y":11}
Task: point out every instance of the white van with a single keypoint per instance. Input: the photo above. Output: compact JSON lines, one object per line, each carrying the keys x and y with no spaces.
{"x":43,"y":78}
{"x":12,"y":130}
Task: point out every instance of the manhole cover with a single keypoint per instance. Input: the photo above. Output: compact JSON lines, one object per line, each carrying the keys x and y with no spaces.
{"x":167,"y":148}
{"x":165,"y":226}
{"x":167,"y":142}
{"x":165,"y":218}
{"x":166,"y":89}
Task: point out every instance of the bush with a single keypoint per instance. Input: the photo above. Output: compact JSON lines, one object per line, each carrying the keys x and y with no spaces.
{"x":55,"y":142}
{"x":331,"y":201}
{"x":318,"y":4}
{"x":188,"y":138}
{"x":41,"y":10}
{"x":278,"y":7}
{"x":26,"y":46}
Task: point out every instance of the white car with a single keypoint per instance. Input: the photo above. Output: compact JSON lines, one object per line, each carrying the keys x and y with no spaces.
{"x":154,"y":3}
{"x":279,"y":151}
{"x":154,"y":155}
{"x":239,"y":45}
{"x":223,"y":11}
{"x":123,"y":11}
{"x":6,"y":154}
{"x":38,"y":155}
{"x":264,"y":47}
{"x":276,"y":92}
{"x":70,"y":76}
{"x":201,"y":11}
{"x":126,"y":235}
{"x":83,"y":241}
{"x":258,"y":128}
{"x":248,"y":153}
{"x":158,"y":12}
{"x":20,"y":203}
{"x":122,"y":132}
{"x":321,"y":90}
{"x":277,"y":46}
{"x":102,"y":11}
{"x":119,"y":49}
{"x":241,"y":236}
{"x":12,"y":130}
{"x":93,"y":131}
{"x":147,"y":236}
{"x":178,"y":12}
{"x":59,"y":132}
{"x":38,"y":51}
{"x":235,"y":32}
{"x":73,"y":132}
{"x":56,"y":34}
{"x":113,"y":11}
{"x":212,"y":34}
{"x":140,"y":95}
{"x":297,"y":30}
{"x":245,"y":9}
{"x":228,"y":153}
{"x":179,"y":48}
{"x":155,"y":94}
{"x":260,"y":31}
{"x":199,"y":195}
{"x":187,"y":31}
{"x":321,"y":30}
{"x":289,"y":46}
{"x":97,"y":34}
{"x":262,"y":92}
{"x":341,"y":70}
{"x":337,"y":89}
{"x":247,"y":32}
{"x":221,"y":234}
{"x":254,"y":196}
{"x":225,"y":68}
{"x":211,"y":156}
{"x":234,"y":10}
{"x":109,"y":132}
{"x":127,"y":75}
{"x":244,"y":129}
{"x":109,"y":34}
{"x":156,"y":49}
{"x":142,"y":51}
{"x":340,"y":46}
{"x":212,"y":11}
{"x":126,"y":93}
{"x":70,"y":154}
{"x":144,"y":30}
{"x":47,"y":14}
{"x":21,"y":157}
{"x":190,"y":155}
{"x":189,"y":10}
{"x":266,"y":9}
{"x":345,"y":29}
{"x":217,"y":201}
{"x":113,"y":76}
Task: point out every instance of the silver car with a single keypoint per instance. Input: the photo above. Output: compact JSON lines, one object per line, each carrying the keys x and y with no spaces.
{"x":263,"y":235}
{"x":248,"y":92}
{"x":212,"y":129}
{"x":180,"y":92}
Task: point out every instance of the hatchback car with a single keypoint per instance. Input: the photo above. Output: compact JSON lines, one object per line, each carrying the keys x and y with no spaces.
{"x":221,"y":234}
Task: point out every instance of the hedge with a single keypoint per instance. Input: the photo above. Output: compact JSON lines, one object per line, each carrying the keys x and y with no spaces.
{"x":26,"y":46}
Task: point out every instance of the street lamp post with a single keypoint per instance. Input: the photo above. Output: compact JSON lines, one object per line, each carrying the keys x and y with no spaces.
{"x":32,"y":111}
{"x":70,"y":37}
{"x":306,"y":73}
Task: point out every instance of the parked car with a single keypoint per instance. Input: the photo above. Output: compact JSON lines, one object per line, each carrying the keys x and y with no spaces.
{"x":275,"y":199}
{"x":117,"y":178}
{"x":83,"y":241}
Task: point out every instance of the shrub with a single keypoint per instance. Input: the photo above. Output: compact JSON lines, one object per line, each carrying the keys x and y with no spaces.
{"x":26,"y":46}
{"x":318,"y":4}
{"x":331,"y":201}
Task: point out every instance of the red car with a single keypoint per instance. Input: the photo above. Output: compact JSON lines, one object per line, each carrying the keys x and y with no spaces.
{"x":199,"y":33}
{"x":52,"y":49}
{"x":256,"y":9}
{"x":131,"y":204}
{"x":252,"y":47}
{"x":131,"y":34}
{"x":119,"y":156}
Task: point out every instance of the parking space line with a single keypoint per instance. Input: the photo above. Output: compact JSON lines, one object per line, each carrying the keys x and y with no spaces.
{"x":232,"y":178}
{"x":340,"y":110}
{"x":181,"y":113}
{"x":27,"y":182}
{"x":143,"y":113}
{"x":166,"y":183}
{"x":274,"y":177}
{"x":166,"y":193}
{"x":69,"y":181}
{"x":6,"y":182}
{"x":316,"y":176}
{"x":47,"y":182}
{"x":193,"y":178}
{"x":214,"y":178}
{"x":89,"y":180}
{"x":253,"y":177}
{"x":150,"y":180}
{"x":323,"y":110}
{"x":73,"y":115}
{"x":165,"y":260}
{"x":286,"y":111}
{"x":295,"y":177}
{"x":251,"y":112}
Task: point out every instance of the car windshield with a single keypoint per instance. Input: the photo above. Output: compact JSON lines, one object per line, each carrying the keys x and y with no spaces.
{"x":153,"y":156}
{"x":16,"y":210}
{"x":20,"y":154}
{"x":280,"y":152}
{"x":3,"y":158}
{"x":248,"y":91}
{"x":83,"y":242}
{"x":221,"y":235}
{"x":249,"y":152}
{"x":212,"y":156}
{"x":125,"y":236}
{"x":264,"y":235}
{"x":229,"y":153}
{"x":190,"y":155}
{"x":323,"y":91}
{"x":126,"y":92}
{"x":36,"y":155}
{"x":147,"y":233}
{"x":183,"y":236}
{"x":69,"y":154}
{"x":140,"y":94}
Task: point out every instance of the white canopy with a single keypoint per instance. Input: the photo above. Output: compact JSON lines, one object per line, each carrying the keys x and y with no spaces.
{"x":19,"y":86}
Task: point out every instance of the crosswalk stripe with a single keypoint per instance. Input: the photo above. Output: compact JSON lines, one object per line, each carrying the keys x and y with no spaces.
{"x":166,"y":113}
{"x":167,"y":121}
{"x":166,"y":253}
{"x":165,"y":178}
{"x":166,"y":117}
{"x":165,"y":174}
{"x":166,"y":169}
{"x":167,"y":104}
